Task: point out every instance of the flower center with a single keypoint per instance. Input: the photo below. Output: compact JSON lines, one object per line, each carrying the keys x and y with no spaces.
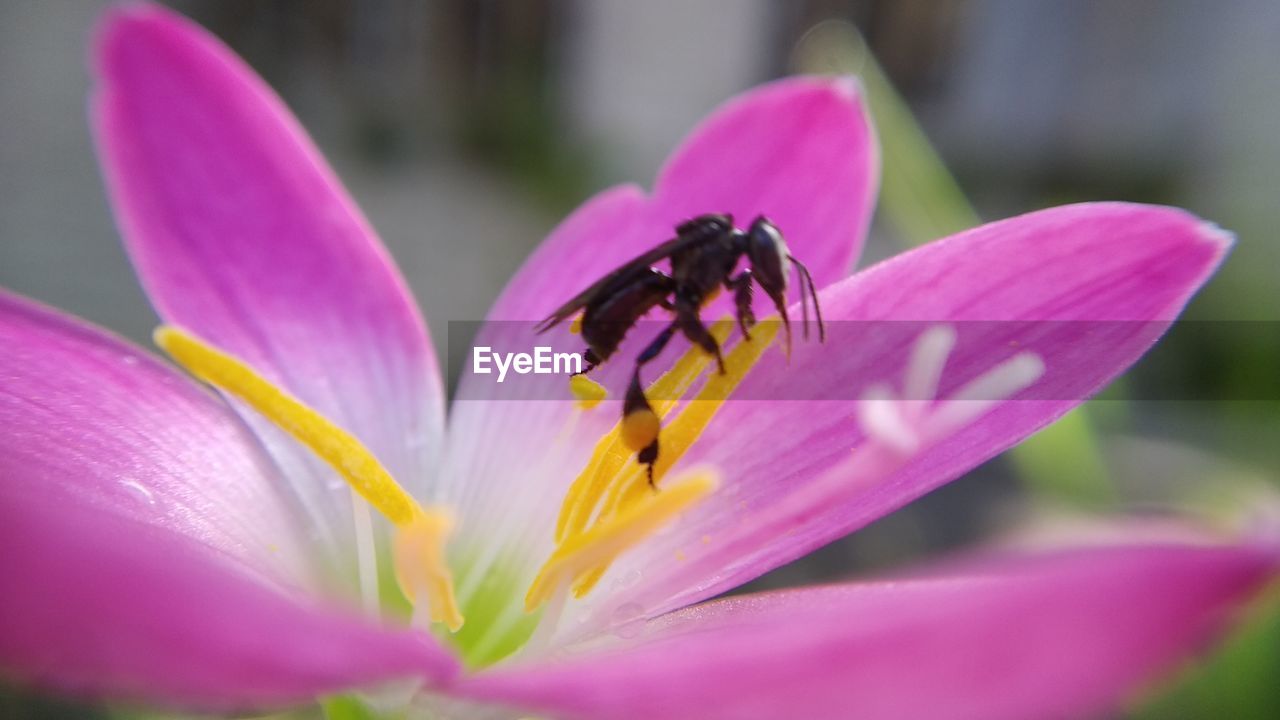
{"x":611,"y":507}
{"x":418,"y":543}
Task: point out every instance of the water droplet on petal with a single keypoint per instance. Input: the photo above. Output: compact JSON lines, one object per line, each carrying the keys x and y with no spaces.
{"x":139,"y":490}
{"x":627,"y":580}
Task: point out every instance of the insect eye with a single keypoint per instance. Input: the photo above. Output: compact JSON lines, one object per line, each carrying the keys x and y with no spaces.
{"x":769,"y":253}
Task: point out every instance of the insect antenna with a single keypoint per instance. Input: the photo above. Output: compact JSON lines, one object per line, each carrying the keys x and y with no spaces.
{"x":804,"y":309}
{"x":786,"y":324}
{"x":813,"y":294}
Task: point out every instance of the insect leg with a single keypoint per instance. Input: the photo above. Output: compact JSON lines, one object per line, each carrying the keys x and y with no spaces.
{"x":741,"y":287}
{"x":591,"y":359}
{"x":692,"y":327}
{"x":656,"y":346}
{"x":638,"y":418}
{"x":640,"y":424}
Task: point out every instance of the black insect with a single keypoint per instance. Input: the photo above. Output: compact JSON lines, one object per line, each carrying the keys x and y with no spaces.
{"x":704,"y":255}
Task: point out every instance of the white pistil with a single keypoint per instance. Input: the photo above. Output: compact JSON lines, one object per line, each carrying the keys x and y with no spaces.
{"x":882,"y":418}
{"x":540,"y":641}
{"x":977,"y":397}
{"x":556,"y":457}
{"x":928,"y":359}
{"x":907,"y":423}
{"x":366,"y":554}
{"x":512,"y":614}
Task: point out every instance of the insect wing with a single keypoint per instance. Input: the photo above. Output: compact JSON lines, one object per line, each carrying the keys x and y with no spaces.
{"x":582,"y":299}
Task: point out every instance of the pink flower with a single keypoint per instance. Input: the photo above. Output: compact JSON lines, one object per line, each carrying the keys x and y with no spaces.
{"x":164,"y":545}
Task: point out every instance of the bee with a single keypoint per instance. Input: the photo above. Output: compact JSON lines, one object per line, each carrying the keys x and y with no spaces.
{"x":704,"y":256}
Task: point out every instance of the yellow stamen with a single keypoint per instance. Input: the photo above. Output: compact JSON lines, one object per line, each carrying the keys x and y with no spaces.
{"x":420,"y":566}
{"x":587,"y":580}
{"x":611,"y":455}
{"x":632,"y":483}
{"x":589,"y":392}
{"x":605,"y":541}
{"x":687,"y":426}
{"x":419,"y":532}
{"x":613,"y":491}
{"x":333,"y":444}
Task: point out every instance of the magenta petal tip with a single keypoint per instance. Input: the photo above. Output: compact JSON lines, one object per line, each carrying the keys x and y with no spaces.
{"x":122,"y":25}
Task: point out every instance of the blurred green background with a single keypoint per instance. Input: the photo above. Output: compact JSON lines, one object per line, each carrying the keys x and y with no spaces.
{"x":466,"y":129}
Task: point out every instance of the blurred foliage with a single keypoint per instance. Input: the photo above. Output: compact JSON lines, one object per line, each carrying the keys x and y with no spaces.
{"x":348,"y":707}
{"x":1239,"y":681}
{"x":20,"y":704}
{"x":511,"y":110}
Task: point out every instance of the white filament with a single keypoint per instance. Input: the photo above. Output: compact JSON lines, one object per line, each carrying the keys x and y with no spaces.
{"x":366,"y":554}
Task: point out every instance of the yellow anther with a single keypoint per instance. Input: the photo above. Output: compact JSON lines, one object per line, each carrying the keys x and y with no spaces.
{"x":612,"y":490}
{"x":589,"y":392}
{"x":340,"y":449}
{"x":575,"y":325}
{"x":692,"y":420}
{"x":679,"y":435}
{"x":588,"y":580}
{"x":605,"y":541}
{"x":631,"y":484}
{"x":421,"y":569}
{"x":611,"y":455}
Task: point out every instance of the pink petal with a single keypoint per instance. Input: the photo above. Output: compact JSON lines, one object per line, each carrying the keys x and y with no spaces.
{"x":1063,"y":634}
{"x":502,"y":447}
{"x":146,"y":549}
{"x":786,"y":449}
{"x":242,"y":234}
{"x":105,"y":607}
{"x":799,"y":150}
{"x":89,"y":420}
